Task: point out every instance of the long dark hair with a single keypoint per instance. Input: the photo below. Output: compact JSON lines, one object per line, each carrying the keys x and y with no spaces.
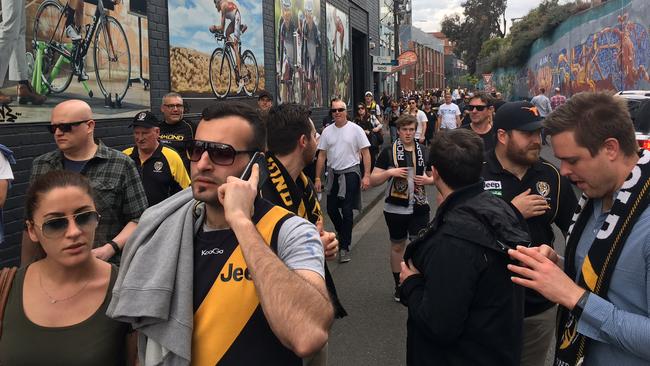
{"x":49,"y":181}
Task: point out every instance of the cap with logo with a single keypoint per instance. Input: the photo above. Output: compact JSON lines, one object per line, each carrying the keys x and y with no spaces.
{"x":145,"y":119}
{"x":522,"y":116}
{"x":368,"y":93}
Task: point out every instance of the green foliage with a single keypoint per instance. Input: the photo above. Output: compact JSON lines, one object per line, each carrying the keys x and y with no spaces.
{"x":540,"y":22}
{"x":480,"y":22}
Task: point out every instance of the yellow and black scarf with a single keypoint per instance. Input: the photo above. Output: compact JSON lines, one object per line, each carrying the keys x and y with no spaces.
{"x":596,"y":272}
{"x":398,"y":192}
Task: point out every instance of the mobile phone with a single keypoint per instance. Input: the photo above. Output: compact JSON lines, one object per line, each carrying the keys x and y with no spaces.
{"x":260,"y":159}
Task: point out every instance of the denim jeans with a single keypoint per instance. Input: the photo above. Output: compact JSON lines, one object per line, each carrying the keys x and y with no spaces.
{"x":340,"y":211}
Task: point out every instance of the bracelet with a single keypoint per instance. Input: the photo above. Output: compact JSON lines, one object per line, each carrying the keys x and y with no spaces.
{"x":115,"y":247}
{"x":580,"y":305}
{"x":317,"y":179}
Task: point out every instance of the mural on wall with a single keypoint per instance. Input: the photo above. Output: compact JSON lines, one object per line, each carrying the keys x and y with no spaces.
{"x":97,"y":60}
{"x":299,"y":52}
{"x":338,"y":55}
{"x":610,"y":53}
{"x":216,"y":49}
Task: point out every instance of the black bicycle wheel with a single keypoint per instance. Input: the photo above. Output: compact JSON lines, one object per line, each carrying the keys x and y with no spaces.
{"x":48,"y":16}
{"x":112,"y":58}
{"x":221,"y":75}
{"x":249,"y":72}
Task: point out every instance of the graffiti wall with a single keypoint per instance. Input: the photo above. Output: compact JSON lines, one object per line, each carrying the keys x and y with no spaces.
{"x":299,"y":52}
{"x":216,"y":49}
{"x":339,"y":56}
{"x":100,"y":56}
{"x":606,"y":47}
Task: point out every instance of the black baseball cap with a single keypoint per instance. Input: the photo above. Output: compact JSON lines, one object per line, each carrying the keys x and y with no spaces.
{"x":145,"y":119}
{"x":264,"y":94}
{"x":522,"y":116}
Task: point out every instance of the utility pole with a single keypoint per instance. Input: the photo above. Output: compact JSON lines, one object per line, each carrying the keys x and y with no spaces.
{"x":396,"y":45}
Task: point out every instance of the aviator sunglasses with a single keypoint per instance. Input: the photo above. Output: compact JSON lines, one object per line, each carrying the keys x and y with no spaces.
{"x":64,"y":127}
{"x":340,"y":110}
{"x":220,"y":154}
{"x":56,"y":227}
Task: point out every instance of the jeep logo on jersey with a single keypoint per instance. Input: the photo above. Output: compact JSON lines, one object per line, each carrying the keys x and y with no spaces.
{"x":235,"y":274}
{"x":492,"y":184}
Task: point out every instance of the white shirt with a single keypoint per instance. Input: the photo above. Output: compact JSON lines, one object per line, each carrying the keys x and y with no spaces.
{"x":448,"y":113}
{"x":422,"y":119}
{"x":343,"y":145}
{"x":5,"y":169}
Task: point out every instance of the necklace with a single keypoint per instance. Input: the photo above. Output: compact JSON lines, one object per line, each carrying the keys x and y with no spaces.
{"x":53,"y":300}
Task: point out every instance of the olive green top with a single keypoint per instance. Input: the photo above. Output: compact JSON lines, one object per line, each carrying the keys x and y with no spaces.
{"x":98,"y":340}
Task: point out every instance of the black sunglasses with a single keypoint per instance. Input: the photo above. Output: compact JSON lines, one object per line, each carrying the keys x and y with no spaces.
{"x":56,"y":228}
{"x":220,"y":154}
{"x":64,"y":127}
{"x":479,"y":108}
{"x":340,"y":110}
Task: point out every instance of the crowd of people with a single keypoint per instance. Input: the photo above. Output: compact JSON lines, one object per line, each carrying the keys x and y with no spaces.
{"x":204,"y":243}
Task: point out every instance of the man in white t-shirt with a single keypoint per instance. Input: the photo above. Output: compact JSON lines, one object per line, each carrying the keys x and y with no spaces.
{"x":422,"y":120}
{"x":448,"y":114}
{"x":6,"y":176}
{"x":341,"y":144}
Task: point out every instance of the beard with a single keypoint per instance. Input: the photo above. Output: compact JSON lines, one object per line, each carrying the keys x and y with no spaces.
{"x":523,"y":156}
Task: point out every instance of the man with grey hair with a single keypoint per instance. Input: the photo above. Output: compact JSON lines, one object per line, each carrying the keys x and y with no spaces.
{"x":175,"y":131}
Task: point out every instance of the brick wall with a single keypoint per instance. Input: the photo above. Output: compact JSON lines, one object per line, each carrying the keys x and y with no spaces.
{"x":29,"y":140}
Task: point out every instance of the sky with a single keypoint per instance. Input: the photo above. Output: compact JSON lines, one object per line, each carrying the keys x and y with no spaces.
{"x":428,"y":14}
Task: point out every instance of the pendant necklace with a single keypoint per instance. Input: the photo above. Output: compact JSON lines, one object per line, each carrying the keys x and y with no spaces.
{"x":52,"y":299}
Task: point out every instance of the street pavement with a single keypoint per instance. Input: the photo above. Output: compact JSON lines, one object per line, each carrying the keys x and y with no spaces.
{"x":374,"y":332}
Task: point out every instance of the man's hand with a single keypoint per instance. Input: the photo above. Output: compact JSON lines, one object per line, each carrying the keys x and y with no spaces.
{"x":399,"y":172}
{"x":422,"y":180}
{"x":105,"y":252}
{"x":530,"y":205}
{"x":365,"y":182}
{"x":237,"y":196}
{"x":407,"y":271}
{"x":330,"y":243}
{"x":318,"y":186}
{"x":421,"y":140}
{"x":549,"y":253}
{"x":542,"y":275}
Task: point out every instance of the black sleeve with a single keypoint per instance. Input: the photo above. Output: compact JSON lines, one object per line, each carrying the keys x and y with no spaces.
{"x":566,"y":205}
{"x":448,"y":286}
{"x":383,"y":160}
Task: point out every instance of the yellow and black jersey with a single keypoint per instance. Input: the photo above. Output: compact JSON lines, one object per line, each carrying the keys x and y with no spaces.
{"x":163,"y":174}
{"x":176,"y":136}
{"x":229,"y":324}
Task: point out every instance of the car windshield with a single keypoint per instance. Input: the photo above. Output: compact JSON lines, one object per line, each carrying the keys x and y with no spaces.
{"x":640,"y":113}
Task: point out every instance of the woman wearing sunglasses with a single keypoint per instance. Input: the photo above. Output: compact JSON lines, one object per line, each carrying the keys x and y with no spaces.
{"x":373,"y":129}
{"x":56,"y":309}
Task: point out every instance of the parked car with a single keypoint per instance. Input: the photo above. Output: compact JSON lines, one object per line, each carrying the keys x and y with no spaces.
{"x":638,"y":102}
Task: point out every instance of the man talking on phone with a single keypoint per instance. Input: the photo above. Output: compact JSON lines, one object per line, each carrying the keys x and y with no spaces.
{"x":217,"y":275}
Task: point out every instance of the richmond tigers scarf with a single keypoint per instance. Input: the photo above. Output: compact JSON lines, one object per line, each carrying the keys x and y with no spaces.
{"x":398,"y":193}
{"x":596,"y":272}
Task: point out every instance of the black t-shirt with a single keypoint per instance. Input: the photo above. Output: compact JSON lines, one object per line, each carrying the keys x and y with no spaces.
{"x":74,"y":165}
{"x":176,"y":136}
{"x":489,"y":138}
{"x":432,"y":116}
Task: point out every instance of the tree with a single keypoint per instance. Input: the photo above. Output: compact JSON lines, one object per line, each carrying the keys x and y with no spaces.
{"x":481,"y":21}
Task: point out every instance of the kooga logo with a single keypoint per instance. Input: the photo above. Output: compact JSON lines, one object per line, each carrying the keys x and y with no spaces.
{"x":214,"y":251}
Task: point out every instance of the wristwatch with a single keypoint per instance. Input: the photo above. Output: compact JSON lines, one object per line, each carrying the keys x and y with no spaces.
{"x":115,"y":247}
{"x":580,"y":305}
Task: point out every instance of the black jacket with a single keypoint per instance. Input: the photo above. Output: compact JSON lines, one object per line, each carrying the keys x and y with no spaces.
{"x":463,"y":309}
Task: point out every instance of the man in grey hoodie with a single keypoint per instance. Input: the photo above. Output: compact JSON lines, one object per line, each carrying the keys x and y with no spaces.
{"x":217,"y":276}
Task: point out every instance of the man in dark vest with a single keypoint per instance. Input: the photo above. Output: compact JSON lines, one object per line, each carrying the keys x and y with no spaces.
{"x":605,"y":285}
{"x":218,"y":276}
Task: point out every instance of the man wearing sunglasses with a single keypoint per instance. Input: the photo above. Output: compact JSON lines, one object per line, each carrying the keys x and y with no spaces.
{"x":244,"y":279}
{"x":341,"y":144}
{"x":480,"y":114}
{"x":175,"y":131}
{"x":113,"y":176}
{"x":161,"y":168}
{"x":515,"y":172}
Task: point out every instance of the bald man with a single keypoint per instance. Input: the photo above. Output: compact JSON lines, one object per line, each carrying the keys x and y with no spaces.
{"x":120,"y":196}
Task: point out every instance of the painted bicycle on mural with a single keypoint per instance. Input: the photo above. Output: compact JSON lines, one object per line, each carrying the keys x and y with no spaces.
{"x":224,"y":70}
{"x":60,"y":51}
